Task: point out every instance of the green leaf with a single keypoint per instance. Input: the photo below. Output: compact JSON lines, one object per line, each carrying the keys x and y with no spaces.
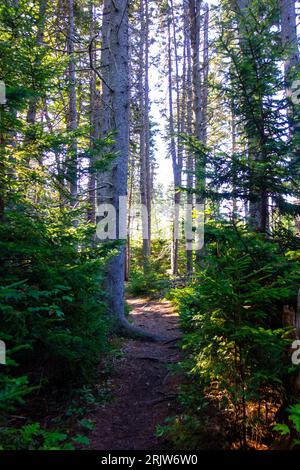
{"x":283,"y":429}
{"x":87,"y":423}
{"x":83,"y":440}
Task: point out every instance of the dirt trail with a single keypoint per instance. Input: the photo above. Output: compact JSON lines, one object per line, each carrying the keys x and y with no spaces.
{"x":143,"y":386}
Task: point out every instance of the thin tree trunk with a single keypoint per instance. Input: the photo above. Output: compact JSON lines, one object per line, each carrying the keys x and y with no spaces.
{"x":94,"y":125}
{"x":189,"y":130}
{"x":178,"y":175}
{"x":195,"y":22}
{"x":233,"y":152}
{"x":32,"y":108}
{"x":145,"y":183}
{"x":200,"y":133}
{"x":72,"y":109}
{"x":2,"y":168}
{"x":258,"y":203}
{"x":176,"y":159}
{"x":128,"y":245}
{"x":204,"y":88}
{"x":147,"y":126}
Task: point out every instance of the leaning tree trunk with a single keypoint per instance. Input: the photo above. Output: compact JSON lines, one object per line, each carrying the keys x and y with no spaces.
{"x":112,"y":184}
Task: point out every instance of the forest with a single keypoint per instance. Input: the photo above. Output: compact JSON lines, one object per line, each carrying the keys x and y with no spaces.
{"x":149,"y":225}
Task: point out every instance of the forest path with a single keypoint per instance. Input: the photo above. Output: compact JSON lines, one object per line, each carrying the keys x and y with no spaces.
{"x":143,"y":386}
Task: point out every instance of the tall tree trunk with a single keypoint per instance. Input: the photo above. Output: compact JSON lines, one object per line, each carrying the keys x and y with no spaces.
{"x":129,"y":224}
{"x":195,"y":26}
{"x":72,"y":109}
{"x":2,"y":167}
{"x":178,"y":172}
{"x":147,"y":126}
{"x":94,"y":123}
{"x":189,"y":130}
{"x":112,"y":184}
{"x":198,"y":95}
{"x":204,"y":89}
{"x":145,"y":176}
{"x":176,"y":155}
{"x":233,"y":152}
{"x":258,"y":203}
{"x":32,"y":108}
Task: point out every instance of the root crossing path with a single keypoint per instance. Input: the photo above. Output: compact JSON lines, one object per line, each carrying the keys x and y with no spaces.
{"x":143,"y":386}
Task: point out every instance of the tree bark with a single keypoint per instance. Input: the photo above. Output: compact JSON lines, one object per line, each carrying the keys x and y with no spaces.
{"x":292,"y":61}
{"x":195,"y":26}
{"x":94,"y":123}
{"x":72,"y":109}
{"x":145,"y":177}
{"x":198,"y":95}
{"x":112,"y":184}
{"x":32,"y":108}
{"x":189,"y":130}
{"x":258,"y":203}
{"x":204,"y":89}
{"x":175,"y":154}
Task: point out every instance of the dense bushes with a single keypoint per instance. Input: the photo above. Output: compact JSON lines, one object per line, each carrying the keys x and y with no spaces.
{"x":290,"y":433}
{"x":238,"y":358}
{"x":52,"y":312}
{"x":52,"y":302}
{"x":150,"y":283}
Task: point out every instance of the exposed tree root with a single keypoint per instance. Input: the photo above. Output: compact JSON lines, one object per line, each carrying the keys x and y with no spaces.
{"x":130,"y":331}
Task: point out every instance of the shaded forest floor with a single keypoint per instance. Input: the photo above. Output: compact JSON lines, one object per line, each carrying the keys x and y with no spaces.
{"x":143,"y":384}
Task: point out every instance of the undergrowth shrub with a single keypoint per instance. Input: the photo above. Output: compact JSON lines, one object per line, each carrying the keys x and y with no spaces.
{"x":33,"y":436}
{"x":52,"y":309}
{"x":154,"y":280}
{"x":150,"y":283}
{"x":289,"y":434}
{"x":238,"y":356}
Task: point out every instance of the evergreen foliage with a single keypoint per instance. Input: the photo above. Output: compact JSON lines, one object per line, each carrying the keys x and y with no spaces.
{"x":238,"y":350}
{"x":53,"y":315}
